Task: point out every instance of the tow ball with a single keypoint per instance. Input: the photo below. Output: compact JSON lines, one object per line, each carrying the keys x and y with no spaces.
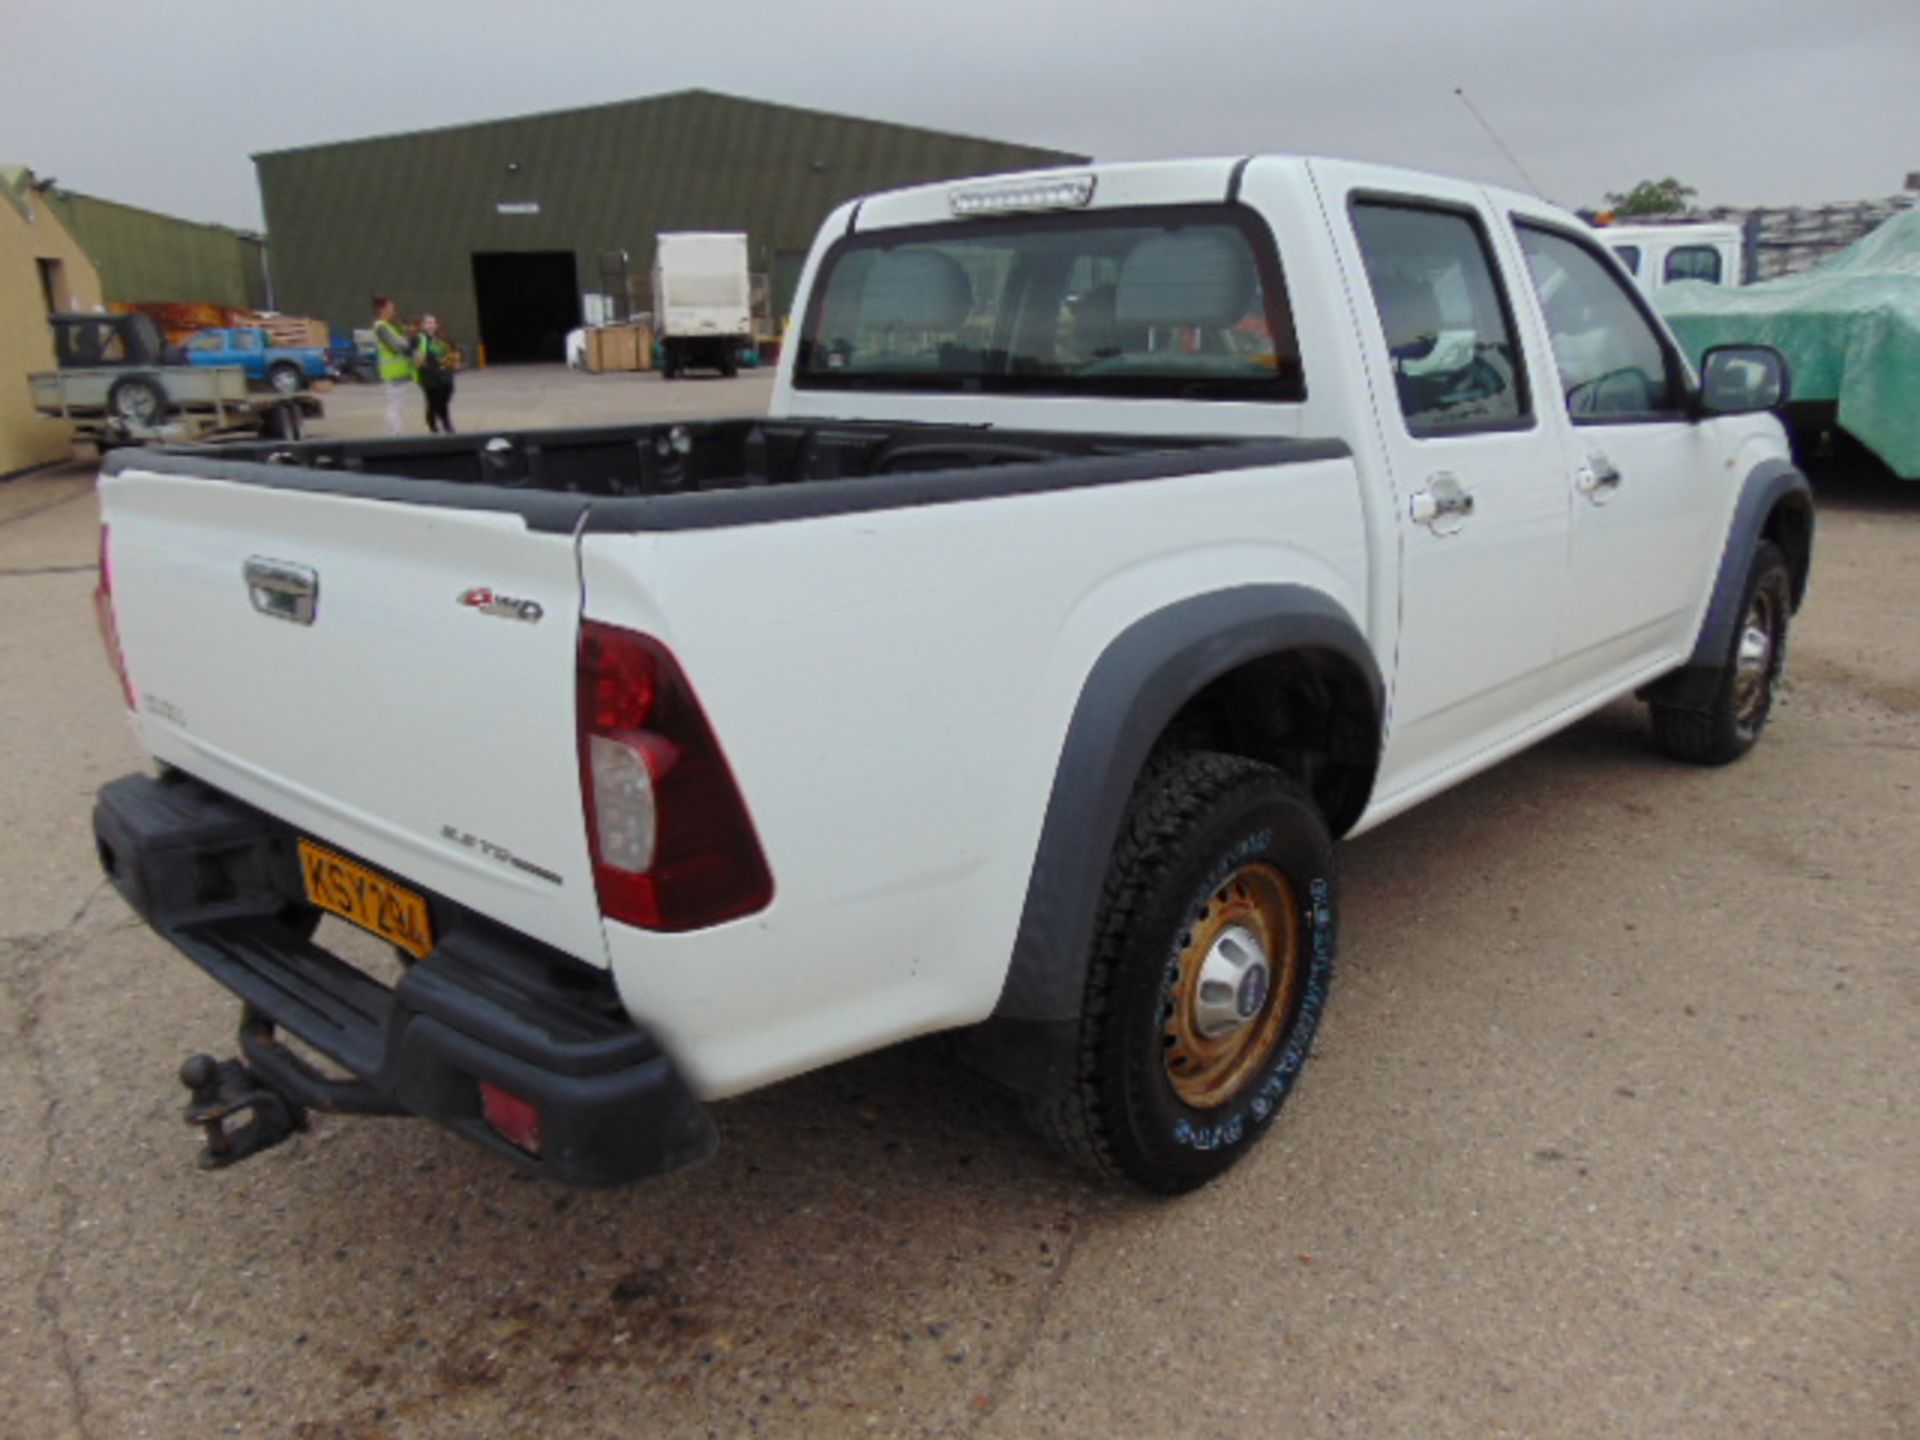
{"x":239,"y":1114}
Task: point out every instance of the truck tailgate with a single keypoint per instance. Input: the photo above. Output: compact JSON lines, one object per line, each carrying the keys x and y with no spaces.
{"x":422,"y":717}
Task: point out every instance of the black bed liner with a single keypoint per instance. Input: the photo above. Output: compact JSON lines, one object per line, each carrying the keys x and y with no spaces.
{"x":709,"y":474}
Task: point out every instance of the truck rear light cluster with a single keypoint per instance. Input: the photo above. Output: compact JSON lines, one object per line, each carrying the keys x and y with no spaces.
{"x":673,"y":846}
{"x":103,"y":612}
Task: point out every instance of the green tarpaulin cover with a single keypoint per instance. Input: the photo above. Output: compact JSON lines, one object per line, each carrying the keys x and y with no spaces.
{"x":1849,"y":327}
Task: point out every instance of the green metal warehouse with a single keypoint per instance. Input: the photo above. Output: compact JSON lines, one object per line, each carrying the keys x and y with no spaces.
{"x":502,"y":228}
{"x":142,"y":255}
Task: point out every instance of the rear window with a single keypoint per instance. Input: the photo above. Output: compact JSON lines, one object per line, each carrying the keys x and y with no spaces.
{"x":1694,"y":262}
{"x":1184,"y":303}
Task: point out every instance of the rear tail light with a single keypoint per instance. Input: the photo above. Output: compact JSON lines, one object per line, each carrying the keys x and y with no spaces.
{"x":673,"y":846}
{"x":514,"y":1118}
{"x":103,"y":612}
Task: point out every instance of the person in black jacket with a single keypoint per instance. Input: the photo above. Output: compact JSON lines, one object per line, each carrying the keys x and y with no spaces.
{"x":433,"y":366}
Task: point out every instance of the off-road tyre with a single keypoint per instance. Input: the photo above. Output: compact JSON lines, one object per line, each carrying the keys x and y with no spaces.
{"x":1198,"y":827}
{"x":1745,"y":689}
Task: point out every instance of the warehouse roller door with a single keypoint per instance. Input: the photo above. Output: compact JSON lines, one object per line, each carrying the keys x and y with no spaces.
{"x":527,"y":302}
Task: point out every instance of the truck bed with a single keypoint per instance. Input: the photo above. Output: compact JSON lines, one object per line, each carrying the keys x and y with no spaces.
{"x":719,"y":472}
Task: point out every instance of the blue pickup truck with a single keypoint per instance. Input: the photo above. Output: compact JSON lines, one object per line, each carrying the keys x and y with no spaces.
{"x":287,"y":369}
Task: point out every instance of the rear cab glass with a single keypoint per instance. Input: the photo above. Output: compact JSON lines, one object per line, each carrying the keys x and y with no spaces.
{"x":1181,"y":302}
{"x":1693,"y":262}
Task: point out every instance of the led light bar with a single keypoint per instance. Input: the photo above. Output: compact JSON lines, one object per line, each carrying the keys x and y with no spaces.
{"x":1075,"y":192}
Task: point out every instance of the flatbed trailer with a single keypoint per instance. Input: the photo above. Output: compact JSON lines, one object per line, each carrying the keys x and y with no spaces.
{"x":117,"y":385}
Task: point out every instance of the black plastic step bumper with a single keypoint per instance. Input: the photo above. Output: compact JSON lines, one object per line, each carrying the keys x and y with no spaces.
{"x":222,"y":882}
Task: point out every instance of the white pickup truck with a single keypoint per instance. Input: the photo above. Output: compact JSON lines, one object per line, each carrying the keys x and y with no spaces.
{"x":1118,"y":538}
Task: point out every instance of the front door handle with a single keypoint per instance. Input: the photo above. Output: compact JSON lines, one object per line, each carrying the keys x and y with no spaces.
{"x":1443,"y":505}
{"x":1597,"y":479}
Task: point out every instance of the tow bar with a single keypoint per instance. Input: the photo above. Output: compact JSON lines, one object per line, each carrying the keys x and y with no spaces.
{"x":262,"y":1097}
{"x":224,"y":1089}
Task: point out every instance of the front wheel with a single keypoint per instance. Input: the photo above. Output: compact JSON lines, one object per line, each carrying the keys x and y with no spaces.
{"x":1748,"y":677}
{"x":1208,"y":975}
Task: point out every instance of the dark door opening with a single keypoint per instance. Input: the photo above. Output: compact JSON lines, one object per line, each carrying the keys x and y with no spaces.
{"x":527,"y":304}
{"x":53,"y":286}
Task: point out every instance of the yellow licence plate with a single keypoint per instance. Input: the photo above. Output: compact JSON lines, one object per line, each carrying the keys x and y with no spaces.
{"x":373,"y":902}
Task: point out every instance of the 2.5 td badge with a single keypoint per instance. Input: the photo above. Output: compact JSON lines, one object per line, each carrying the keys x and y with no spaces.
{"x":490,"y":602}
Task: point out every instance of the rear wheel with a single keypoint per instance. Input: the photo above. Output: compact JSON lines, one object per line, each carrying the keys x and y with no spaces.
{"x":1748,"y":677}
{"x":137,"y":400}
{"x":1208,"y":975}
{"x":286,"y":379}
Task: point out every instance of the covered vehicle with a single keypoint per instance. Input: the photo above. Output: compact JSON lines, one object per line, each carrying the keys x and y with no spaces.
{"x":1850,"y":329}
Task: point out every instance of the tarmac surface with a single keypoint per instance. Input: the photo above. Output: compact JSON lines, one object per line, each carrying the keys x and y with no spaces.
{"x":1610,"y":1130}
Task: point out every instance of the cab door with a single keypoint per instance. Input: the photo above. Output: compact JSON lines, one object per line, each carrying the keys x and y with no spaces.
{"x":1646,"y":481}
{"x":1477,"y":477}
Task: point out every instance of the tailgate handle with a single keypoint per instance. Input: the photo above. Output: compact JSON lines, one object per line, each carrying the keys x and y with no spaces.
{"x":282,"y":589}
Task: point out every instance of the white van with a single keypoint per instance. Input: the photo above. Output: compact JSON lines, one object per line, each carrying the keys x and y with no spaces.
{"x":1657,"y":255}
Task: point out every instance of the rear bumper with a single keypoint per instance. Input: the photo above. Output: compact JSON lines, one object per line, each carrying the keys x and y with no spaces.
{"x":221,"y":882}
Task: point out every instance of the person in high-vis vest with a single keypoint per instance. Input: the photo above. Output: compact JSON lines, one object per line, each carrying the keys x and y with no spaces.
{"x":433,"y":363}
{"x":396,"y":362}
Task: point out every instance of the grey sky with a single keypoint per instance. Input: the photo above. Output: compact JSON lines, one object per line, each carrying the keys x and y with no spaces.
{"x":1751,"y":101}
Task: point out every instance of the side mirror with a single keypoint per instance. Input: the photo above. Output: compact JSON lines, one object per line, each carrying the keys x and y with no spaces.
{"x":1742,"y":379}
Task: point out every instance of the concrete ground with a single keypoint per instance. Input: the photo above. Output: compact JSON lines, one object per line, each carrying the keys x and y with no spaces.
{"x":1611,"y":1131}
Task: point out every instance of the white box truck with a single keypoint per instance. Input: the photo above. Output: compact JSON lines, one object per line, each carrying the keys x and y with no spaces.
{"x":701,"y":301}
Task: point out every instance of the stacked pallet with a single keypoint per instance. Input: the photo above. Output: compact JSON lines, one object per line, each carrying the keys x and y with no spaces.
{"x":619,"y":347}
{"x":180,"y":320}
{"x":292,"y":332}
{"x":1789,"y":239}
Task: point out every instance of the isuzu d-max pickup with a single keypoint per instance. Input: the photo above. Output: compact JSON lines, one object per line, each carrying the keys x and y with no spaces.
{"x":1118,"y":538}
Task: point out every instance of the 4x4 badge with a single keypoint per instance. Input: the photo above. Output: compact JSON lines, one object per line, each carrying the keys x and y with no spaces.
{"x":489,"y":602}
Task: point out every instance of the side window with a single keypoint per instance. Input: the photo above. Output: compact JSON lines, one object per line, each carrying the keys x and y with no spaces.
{"x":1612,"y":362}
{"x":1693,"y":262}
{"x":245,"y":340}
{"x":1629,"y":257}
{"x":1455,"y":362}
{"x":210,"y":341}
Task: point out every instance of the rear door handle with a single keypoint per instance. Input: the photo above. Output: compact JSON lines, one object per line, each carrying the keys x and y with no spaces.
{"x":1443,"y":505}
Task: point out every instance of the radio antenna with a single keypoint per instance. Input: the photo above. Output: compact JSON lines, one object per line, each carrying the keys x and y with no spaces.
{"x":1494,"y":135}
